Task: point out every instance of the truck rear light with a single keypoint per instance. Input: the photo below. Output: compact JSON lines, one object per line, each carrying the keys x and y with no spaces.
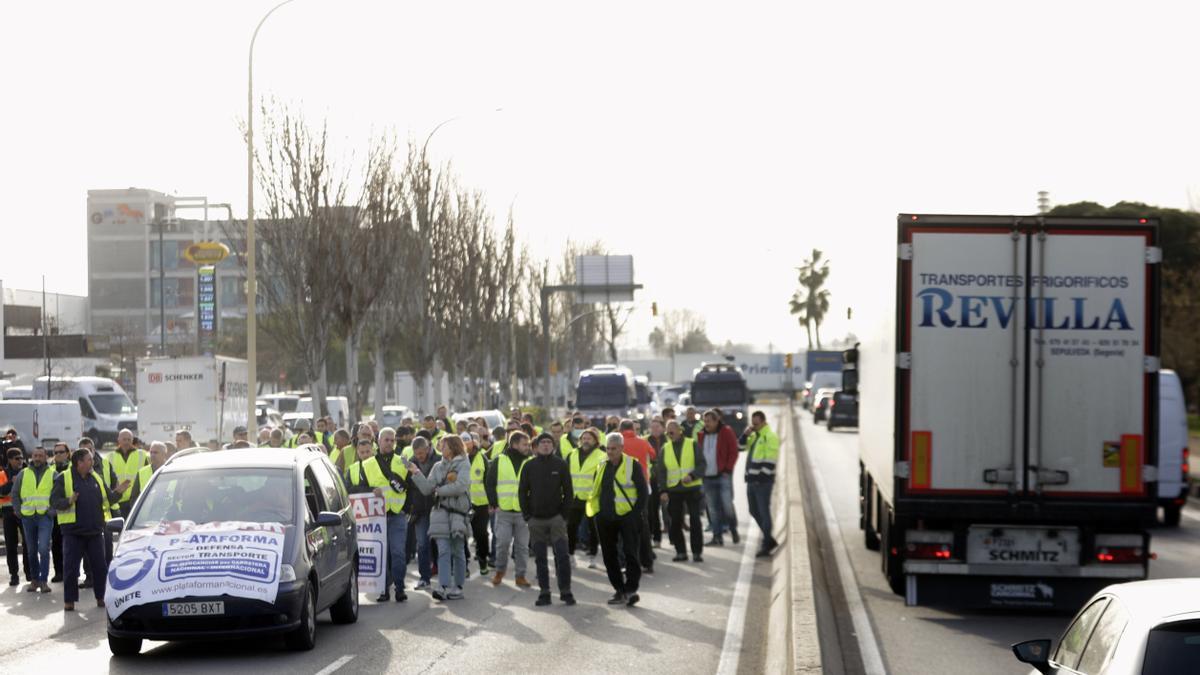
{"x":928,"y":551}
{"x":1121,"y":555}
{"x":1187,"y":465}
{"x":832,"y":402}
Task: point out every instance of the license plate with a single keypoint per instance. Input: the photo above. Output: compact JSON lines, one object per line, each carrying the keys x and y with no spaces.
{"x":193,"y":608}
{"x":1023,"y":545}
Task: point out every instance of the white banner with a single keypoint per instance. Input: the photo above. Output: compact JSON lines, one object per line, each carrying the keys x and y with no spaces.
{"x":370,"y":518}
{"x":181,"y":558}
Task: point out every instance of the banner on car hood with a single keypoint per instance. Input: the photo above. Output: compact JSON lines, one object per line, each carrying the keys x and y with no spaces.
{"x":370,"y":518}
{"x":180,"y":558}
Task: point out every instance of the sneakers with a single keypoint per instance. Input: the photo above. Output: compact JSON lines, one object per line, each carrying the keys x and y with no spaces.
{"x":385,"y":597}
{"x":591,"y":562}
{"x":439,"y":595}
{"x":483,"y":570}
{"x":633,"y":600}
{"x":567,"y":598}
{"x":543,"y":600}
{"x":455,"y":594}
{"x":422,"y":585}
{"x":618,"y":598}
{"x":679,"y":557}
{"x":522,"y":582}
{"x":498,"y":578}
{"x":733,"y":533}
{"x":715,"y":542}
{"x":100,"y":602}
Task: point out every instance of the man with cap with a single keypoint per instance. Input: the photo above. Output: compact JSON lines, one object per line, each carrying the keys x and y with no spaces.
{"x":545,"y":494}
{"x":241,"y":434}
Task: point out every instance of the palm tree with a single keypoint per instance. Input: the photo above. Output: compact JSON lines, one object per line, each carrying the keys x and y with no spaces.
{"x":810,"y":302}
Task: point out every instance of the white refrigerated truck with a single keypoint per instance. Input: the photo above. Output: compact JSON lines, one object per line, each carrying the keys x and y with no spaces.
{"x":1008,"y":395}
{"x":205,"y":395}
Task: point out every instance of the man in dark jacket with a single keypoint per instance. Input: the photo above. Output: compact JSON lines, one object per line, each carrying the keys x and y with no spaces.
{"x":81,"y":517}
{"x":719,"y":445}
{"x":418,"y":506}
{"x":678,"y":471}
{"x":617,"y":520}
{"x":13,"y":534}
{"x":546,"y":495}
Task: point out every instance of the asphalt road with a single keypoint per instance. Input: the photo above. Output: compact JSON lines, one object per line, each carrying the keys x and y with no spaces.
{"x":679,"y":627}
{"x":923,"y":640}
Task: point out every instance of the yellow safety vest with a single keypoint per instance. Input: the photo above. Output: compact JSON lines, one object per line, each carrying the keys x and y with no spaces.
{"x":392,"y":499}
{"x":143,"y":477}
{"x":564,"y":446}
{"x":35,"y":495}
{"x":497,"y":448}
{"x":583,"y":476}
{"x":68,"y":516}
{"x":354,"y":473}
{"x":686,"y":463}
{"x":126,"y":469}
{"x":507,"y":480}
{"x":624,"y":490}
{"x":478,"y":469}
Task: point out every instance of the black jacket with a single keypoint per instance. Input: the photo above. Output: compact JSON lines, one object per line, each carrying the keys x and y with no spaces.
{"x":89,"y":508}
{"x":545,"y":489}
{"x":418,"y":505}
{"x":608,"y":509}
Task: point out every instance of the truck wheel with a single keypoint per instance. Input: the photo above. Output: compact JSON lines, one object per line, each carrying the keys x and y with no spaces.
{"x":892,"y":541}
{"x":870,"y":534}
{"x":1171,"y":515}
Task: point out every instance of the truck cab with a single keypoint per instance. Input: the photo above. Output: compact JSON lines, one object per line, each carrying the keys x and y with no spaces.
{"x":105,"y":406}
{"x":723,"y":386}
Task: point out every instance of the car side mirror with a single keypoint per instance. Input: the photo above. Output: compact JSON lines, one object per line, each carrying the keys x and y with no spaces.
{"x":115,"y":525}
{"x":328,"y":519}
{"x":1035,"y":653}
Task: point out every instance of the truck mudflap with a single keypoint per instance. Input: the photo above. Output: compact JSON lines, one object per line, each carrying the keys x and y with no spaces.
{"x":1065,"y":594}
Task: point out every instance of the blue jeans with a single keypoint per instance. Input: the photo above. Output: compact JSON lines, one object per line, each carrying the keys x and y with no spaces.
{"x":718,"y":490}
{"x":424,"y":564}
{"x":37,"y":535}
{"x":397,"y":540}
{"x":759,"y":496}
{"x":451,"y":557}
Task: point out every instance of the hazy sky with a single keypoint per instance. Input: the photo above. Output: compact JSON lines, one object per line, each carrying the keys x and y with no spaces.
{"x":717,"y":142}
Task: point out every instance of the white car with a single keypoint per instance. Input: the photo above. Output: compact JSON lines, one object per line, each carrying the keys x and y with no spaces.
{"x":494,"y":418}
{"x":1142,"y":627}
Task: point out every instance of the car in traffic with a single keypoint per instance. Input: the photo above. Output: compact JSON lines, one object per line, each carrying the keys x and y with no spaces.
{"x":821,"y":399}
{"x":841,"y":410}
{"x":819,"y":380}
{"x":668,"y":396}
{"x":233,"y":544}
{"x":1141,"y":627}
{"x":393,"y":415}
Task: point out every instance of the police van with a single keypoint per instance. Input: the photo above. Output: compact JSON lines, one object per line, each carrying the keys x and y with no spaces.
{"x":606,"y":390}
{"x":723,"y":386}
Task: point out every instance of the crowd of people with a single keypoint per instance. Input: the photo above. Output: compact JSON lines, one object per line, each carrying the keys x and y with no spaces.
{"x":452,"y":493}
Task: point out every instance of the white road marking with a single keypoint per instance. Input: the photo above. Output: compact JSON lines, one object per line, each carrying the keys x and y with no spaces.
{"x":1191,"y":516}
{"x":731,"y":650}
{"x":867,"y":645}
{"x":335,"y":665}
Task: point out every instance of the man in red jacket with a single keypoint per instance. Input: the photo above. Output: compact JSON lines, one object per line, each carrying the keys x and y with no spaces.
{"x":720,"y":447}
{"x":641,"y":450}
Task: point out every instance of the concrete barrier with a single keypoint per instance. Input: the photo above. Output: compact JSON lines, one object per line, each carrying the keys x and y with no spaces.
{"x":793,"y":569}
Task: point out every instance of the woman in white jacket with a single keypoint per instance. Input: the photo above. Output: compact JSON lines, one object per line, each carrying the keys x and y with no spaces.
{"x":449,"y":482}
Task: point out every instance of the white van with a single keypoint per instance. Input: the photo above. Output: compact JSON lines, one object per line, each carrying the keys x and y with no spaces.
{"x":105,"y":406}
{"x":1172,"y":447}
{"x":338,"y":408}
{"x":42,"y":423}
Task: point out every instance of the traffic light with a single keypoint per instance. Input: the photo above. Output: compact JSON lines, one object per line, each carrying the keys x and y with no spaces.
{"x":654,"y":309}
{"x":787,"y":360}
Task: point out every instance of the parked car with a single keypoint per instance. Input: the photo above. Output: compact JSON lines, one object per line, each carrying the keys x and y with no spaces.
{"x":293,"y":491}
{"x":820,"y":402}
{"x":393,"y":415}
{"x":1141,"y":627}
{"x":267,"y":416}
{"x":494,"y":418}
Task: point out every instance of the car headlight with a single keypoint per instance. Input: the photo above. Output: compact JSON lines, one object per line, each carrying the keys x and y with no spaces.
{"x":287,"y":573}
{"x":738,"y":415}
{"x":641,"y":416}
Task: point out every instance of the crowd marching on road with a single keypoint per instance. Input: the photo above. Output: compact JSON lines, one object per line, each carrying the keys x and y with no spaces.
{"x":451,"y":493}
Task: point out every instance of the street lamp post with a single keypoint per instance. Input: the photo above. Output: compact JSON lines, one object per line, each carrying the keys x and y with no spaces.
{"x":251,"y":253}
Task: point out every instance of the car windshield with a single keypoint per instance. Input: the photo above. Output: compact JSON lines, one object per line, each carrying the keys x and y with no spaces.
{"x":1173,"y":648}
{"x":609,"y":392}
{"x":112,"y":404}
{"x":826,"y":378}
{"x":203,"y":496}
{"x":718,"y":393}
{"x":286,"y":405}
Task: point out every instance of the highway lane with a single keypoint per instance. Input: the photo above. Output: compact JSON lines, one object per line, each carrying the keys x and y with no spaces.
{"x":679,"y":627}
{"x":922,"y":640}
